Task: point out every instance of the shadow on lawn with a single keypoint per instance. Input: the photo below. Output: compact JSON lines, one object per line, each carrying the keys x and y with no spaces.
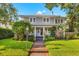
{"x":56,"y":46}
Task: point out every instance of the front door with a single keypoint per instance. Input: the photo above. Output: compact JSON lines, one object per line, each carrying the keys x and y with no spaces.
{"x":39,"y":34}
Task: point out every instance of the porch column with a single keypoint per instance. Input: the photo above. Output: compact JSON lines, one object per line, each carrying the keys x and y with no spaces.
{"x":43,"y":33}
{"x":54,"y":21}
{"x":35,"y":32}
{"x":47,"y":32}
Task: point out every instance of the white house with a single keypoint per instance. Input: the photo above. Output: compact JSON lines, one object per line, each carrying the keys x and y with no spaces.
{"x":41,"y":23}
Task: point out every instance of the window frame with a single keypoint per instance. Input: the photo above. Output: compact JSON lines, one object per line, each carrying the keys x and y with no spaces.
{"x":30,"y":19}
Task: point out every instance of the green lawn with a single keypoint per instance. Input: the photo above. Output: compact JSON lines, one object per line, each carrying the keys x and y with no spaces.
{"x":9,"y":47}
{"x":63,"y":47}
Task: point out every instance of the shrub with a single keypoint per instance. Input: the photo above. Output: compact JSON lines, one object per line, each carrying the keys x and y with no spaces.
{"x":6,"y":33}
{"x":49,"y":38}
{"x":31,"y":38}
{"x":52,"y":31}
{"x":77,"y":34}
{"x":19,"y":29}
{"x":59,"y":34}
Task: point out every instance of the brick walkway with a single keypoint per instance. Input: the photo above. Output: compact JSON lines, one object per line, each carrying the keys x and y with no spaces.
{"x":38,"y":49}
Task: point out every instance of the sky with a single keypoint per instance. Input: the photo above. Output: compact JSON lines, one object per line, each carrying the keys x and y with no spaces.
{"x":37,"y":8}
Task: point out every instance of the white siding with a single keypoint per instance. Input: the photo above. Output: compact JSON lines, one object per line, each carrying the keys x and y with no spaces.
{"x":43,"y":21}
{"x":39,"y":20}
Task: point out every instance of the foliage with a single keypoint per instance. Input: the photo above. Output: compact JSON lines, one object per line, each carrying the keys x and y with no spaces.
{"x":72,"y":10}
{"x":19,"y":29}
{"x":70,"y":35}
{"x":7,"y":13}
{"x":52,"y":31}
{"x":63,"y":47}
{"x":49,"y":38}
{"x":31,"y":38}
{"x":77,"y":34}
{"x":60,"y":26}
{"x":10,"y":47}
{"x":6,"y":33}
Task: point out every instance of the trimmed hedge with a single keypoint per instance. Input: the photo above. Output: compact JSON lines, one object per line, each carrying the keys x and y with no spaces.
{"x":6,"y":33}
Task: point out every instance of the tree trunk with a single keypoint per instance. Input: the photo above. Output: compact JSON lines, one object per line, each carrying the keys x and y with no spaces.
{"x":71,"y":25}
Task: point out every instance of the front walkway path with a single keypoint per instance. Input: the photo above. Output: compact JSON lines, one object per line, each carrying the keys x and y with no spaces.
{"x":38,"y":49}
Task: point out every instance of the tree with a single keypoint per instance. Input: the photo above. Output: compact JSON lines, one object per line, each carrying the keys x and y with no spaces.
{"x":72,"y":11}
{"x":52,"y":30}
{"x":19,"y":29}
{"x":7,"y":13}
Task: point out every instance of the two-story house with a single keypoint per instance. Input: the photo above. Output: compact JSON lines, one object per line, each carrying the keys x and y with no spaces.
{"x":41,"y":23}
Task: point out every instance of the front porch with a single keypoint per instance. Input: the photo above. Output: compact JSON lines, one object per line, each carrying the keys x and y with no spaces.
{"x":41,"y":31}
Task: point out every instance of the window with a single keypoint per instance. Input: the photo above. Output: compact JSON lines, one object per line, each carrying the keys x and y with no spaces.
{"x":33,"y":19}
{"x":61,"y":21}
{"x":56,"y":21}
{"x":44,"y":19}
{"x":47,"y":19}
{"x":30,"y":19}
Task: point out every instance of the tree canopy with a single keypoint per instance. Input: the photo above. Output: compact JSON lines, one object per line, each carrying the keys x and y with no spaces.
{"x":7,"y":12}
{"x":19,"y":29}
{"x":72,"y":11}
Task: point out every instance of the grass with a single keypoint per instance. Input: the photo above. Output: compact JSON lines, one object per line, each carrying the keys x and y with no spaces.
{"x":63,"y":47}
{"x":9,"y":47}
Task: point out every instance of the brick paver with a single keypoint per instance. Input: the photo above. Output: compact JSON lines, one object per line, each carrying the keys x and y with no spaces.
{"x":38,"y":49}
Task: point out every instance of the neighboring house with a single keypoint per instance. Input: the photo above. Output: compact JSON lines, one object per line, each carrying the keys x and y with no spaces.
{"x":41,"y":23}
{"x":5,"y":26}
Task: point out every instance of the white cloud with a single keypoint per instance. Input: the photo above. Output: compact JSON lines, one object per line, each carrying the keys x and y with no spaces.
{"x":39,"y":12}
{"x":43,"y":11}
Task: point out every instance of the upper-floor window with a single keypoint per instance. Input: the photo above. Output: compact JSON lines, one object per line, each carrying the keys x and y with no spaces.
{"x":47,"y":19}
{"x":30,"y":19}
{"x":44,"y":20}
{"x":33,"y":19}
